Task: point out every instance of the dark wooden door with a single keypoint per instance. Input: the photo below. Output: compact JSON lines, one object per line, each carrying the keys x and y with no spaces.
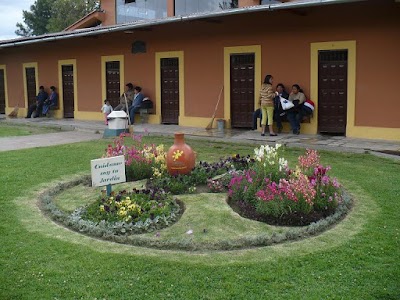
{"x":242,"y":89}
{"x":68,"y":90}
{"x":170,"y":90}
{"x":31,"y":85}
{"x":113,"y":82}
{"x":332,"y":91}
{"x":2,"y":93}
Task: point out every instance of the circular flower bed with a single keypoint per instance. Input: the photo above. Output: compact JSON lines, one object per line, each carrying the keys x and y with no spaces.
{"x":262,"y":187}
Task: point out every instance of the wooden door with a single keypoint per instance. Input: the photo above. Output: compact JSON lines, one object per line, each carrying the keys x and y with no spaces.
{"x":332,"y":91}
{"x":169,"y":90}
{"x":2,"y":93}
{"x":68,"y":90}
{"x":113,"y":82}
{"x":242,"y":90}
{"x":31,"y":85}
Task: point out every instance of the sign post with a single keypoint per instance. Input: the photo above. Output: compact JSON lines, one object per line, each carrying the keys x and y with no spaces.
{"x":108,"y":171}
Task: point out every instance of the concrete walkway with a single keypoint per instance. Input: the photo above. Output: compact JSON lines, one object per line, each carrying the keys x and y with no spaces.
{"x":77,"y":131}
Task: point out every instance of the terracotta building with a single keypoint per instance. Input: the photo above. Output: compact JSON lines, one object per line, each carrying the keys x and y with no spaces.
{"x":344,"y":55}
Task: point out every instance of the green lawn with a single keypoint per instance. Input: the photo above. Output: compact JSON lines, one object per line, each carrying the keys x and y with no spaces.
{"x":7,"y":130}
{"x":357,"y":259}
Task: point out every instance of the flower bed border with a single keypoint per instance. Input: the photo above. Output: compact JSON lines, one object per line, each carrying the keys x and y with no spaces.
{"x":101,"y":229}
{"x":104,"y":232}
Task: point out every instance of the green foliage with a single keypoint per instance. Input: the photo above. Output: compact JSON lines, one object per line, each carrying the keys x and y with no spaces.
{"x":53,"y":15}
{"x":67,"y":12}
{"x":138,"y":170}
{"x":132,"y":207}
{"x":36,"y":19}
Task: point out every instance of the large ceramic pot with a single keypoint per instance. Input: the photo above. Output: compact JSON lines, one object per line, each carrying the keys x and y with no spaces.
{"x":180,"y":157}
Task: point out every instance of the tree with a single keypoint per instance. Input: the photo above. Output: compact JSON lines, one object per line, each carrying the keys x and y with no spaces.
{"x":36,"y":19}
{"x":67,"y":12}
{"x":53,"y":15}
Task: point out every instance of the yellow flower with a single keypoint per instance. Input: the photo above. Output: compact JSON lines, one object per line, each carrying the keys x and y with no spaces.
{"x":126,"y":202}
{"x":101,"y":207}
{"x":297,"y":172}
{"x":132,"y":207}
{"x":122,"y":213}
{"x":177,"y":154}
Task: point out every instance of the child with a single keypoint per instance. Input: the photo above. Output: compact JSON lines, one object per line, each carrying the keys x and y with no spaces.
{"x":106,"y":110}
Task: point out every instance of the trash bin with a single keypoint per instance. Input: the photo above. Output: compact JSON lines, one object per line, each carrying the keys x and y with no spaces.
{"x":117,"y":123}
{"x":221,"y":124}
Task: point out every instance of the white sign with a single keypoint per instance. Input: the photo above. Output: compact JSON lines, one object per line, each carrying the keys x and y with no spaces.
{"x":107,"y":171}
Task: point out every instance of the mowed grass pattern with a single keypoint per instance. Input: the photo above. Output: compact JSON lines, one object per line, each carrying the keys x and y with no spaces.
{"x":357,"y":259}
{"x":7,"y":130}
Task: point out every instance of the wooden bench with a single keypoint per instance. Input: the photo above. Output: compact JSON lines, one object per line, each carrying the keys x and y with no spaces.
{"x":51,"y":111}
{"x":145,"y":109}
{"x":144,"y":114}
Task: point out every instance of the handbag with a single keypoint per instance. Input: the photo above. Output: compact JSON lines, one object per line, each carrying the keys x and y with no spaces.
{"x":286,"y":104}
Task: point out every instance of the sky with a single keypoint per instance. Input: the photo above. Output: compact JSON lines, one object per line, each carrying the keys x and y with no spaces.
{"x":10,"y":14}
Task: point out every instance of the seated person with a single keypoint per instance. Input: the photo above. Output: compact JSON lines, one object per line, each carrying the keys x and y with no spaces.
{"x":137,"y":102}
{"x":297,"y":97}
{"x":256,"y":115}
{"x":129,"y":93}
{"x":51,"y":101}
{"x":306,"y":109}
{"x":38,"y":106}
{"x":278,"y":111}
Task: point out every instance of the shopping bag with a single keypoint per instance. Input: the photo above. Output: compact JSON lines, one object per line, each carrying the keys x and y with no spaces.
{"x":286,"y":104}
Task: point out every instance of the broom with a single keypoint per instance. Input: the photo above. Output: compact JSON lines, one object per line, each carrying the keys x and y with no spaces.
{"x":129,"y":117}
{"x":14,"y":112}
{"x":210,"y":125}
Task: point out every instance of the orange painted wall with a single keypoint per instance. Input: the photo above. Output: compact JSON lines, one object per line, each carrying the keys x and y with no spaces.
{"x":109,"y":8}
{"x":285,"y":38}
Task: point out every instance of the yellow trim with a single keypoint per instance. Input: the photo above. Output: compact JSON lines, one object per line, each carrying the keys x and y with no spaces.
{"x":181,"y":62}
{"x":377,"y":133}
{"x":350,"y":46}
{"x":194,"y":121}
{"x":88,"y":115}
{"x":60,"y":112}
{"x":105,"y":59}
{"x":24,"y":66}
{"x":256,"y":49}
{"x":4,"y":68}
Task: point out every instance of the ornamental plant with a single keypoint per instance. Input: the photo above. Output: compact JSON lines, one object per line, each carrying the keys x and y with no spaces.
{"x":141,"y":160}
{"x":201,"y":174}
{"x":131,"y":207}
{"x":273,"y":189}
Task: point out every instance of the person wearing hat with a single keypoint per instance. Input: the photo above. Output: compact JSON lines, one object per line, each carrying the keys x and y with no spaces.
{"x":128,"y":94}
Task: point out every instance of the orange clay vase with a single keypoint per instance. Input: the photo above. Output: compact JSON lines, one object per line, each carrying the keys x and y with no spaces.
{"x":180,"y":157}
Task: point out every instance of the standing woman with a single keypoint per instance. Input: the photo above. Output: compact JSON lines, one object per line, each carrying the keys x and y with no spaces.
{"x":267,"y":96}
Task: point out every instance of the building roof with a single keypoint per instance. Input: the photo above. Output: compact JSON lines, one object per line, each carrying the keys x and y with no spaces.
{"x":149,"y":23}
{"x":91,"y":19}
